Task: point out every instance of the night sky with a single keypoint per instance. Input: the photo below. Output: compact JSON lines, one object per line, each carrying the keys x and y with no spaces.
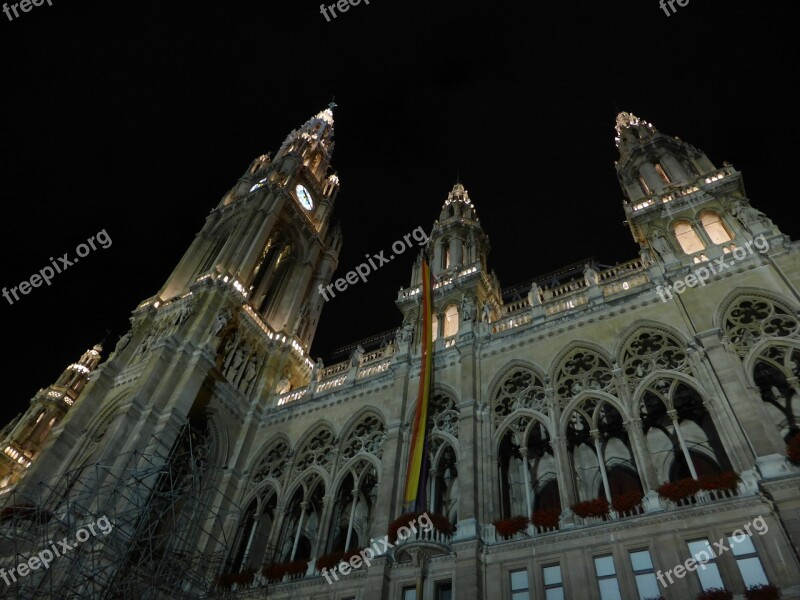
{"x":136,"y":118}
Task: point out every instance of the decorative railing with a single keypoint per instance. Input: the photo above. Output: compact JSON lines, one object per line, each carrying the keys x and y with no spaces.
{"x":292,"y":396}
{"x":431,"y":535}
{"x":334,"y":370}
{"x":575,"y":294}
{"x":380,"y":367}
{"x":332,"y":383}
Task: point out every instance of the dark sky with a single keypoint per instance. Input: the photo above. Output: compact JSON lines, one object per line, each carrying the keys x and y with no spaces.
{"x":136,"y":117}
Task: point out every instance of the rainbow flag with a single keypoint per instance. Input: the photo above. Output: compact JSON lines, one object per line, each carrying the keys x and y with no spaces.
{"x":417,"y":472}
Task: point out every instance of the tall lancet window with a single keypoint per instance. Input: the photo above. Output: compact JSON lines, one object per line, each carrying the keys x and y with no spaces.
{"x":450,"y":321}
{"x":272,"y":272}
{"x":687,"y":237}
{"x":662,"y":173}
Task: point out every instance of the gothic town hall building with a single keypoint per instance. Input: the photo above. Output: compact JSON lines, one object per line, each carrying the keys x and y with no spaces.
{"x":592,"y":436}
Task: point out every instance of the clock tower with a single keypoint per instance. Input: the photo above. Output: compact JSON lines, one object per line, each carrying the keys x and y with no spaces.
{"x":272,"y":235}
{"x":230,"y":329}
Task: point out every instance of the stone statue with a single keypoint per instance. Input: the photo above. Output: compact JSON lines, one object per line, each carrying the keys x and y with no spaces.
{"x":284,"y":384}
{"x":534,"y":295}
{"x":661,"y":245}
{"x":222,"y":320}
{"x":238,"y":358}
{"x":486,"y":313}
{"x":249,"y":374}
{"x":123,"y":342}
{"x":185,"y":313}
{"x":355,"y":359}
{"x":467,"y":308}
{"x":316,"y":370}
{"x":301,"y":315}
{"x":590,"y":275}
{"x":748,"y":215}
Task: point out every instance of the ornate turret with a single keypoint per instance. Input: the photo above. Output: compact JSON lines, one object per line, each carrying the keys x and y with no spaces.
{"x":24,"y":438}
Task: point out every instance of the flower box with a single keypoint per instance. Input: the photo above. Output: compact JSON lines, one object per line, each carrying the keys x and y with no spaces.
{"x":598,"y":507}
{"x":440,"y":523}
{"x":716,"y":594}
{"x":276,"y":572}
{"x":763,"y":592}
{"x":508,"y":527}
{"x":679,"y":490}
{"x":728,"y":481}
{"x":329,"y":561}
{"x":627,"y":501}
{"x":547,"y":518}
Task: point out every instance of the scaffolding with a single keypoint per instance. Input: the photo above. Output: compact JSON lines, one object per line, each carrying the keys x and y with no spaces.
{"x":168,"y":534}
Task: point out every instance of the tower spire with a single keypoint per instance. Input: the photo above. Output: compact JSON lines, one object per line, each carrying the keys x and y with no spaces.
{"x":24,"y":438}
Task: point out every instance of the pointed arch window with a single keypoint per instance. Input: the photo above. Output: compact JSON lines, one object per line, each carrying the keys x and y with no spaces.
{"x":715,"y":228}
{"x":662,"y":173}
{"x":687,"y":237}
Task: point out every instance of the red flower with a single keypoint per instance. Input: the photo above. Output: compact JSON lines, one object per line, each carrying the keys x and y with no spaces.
{"x":440,"y":523}
{"x":716,"y":594}
{"x":276,"y":572}
{"x":334,"y":558}
{"x":627,"y":501}
{"x":592,"y":508}
{"x":548,"y":518}
{"x":724,"y":481}
{"x":763,"y":592}
{"x":678,"y":490}
{"x":508,"y":527}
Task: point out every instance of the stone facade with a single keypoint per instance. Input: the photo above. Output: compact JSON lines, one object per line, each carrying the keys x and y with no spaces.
{"x":592,"y":383}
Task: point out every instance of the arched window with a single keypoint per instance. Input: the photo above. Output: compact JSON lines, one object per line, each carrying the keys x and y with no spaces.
{"x":687,"y":237}
{"x":446,"y":254}
{"x":715,"y":228}
{"x":662,"y":173}
{"x":450,"y":321}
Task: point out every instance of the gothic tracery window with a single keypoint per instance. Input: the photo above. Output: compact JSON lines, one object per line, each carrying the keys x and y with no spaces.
{"x":275,"y":463}
{"x":520,"y":388}
{"x":580,"y":370}
{"x":752,"y":318}
{"x":317,"y":450}
{"x":649,"y":351}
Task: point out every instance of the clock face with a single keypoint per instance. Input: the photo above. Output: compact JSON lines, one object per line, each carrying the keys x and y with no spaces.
{"x":306,"y":201}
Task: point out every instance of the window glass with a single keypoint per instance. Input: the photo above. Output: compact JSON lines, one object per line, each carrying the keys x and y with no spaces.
{"x":687,"y":237}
